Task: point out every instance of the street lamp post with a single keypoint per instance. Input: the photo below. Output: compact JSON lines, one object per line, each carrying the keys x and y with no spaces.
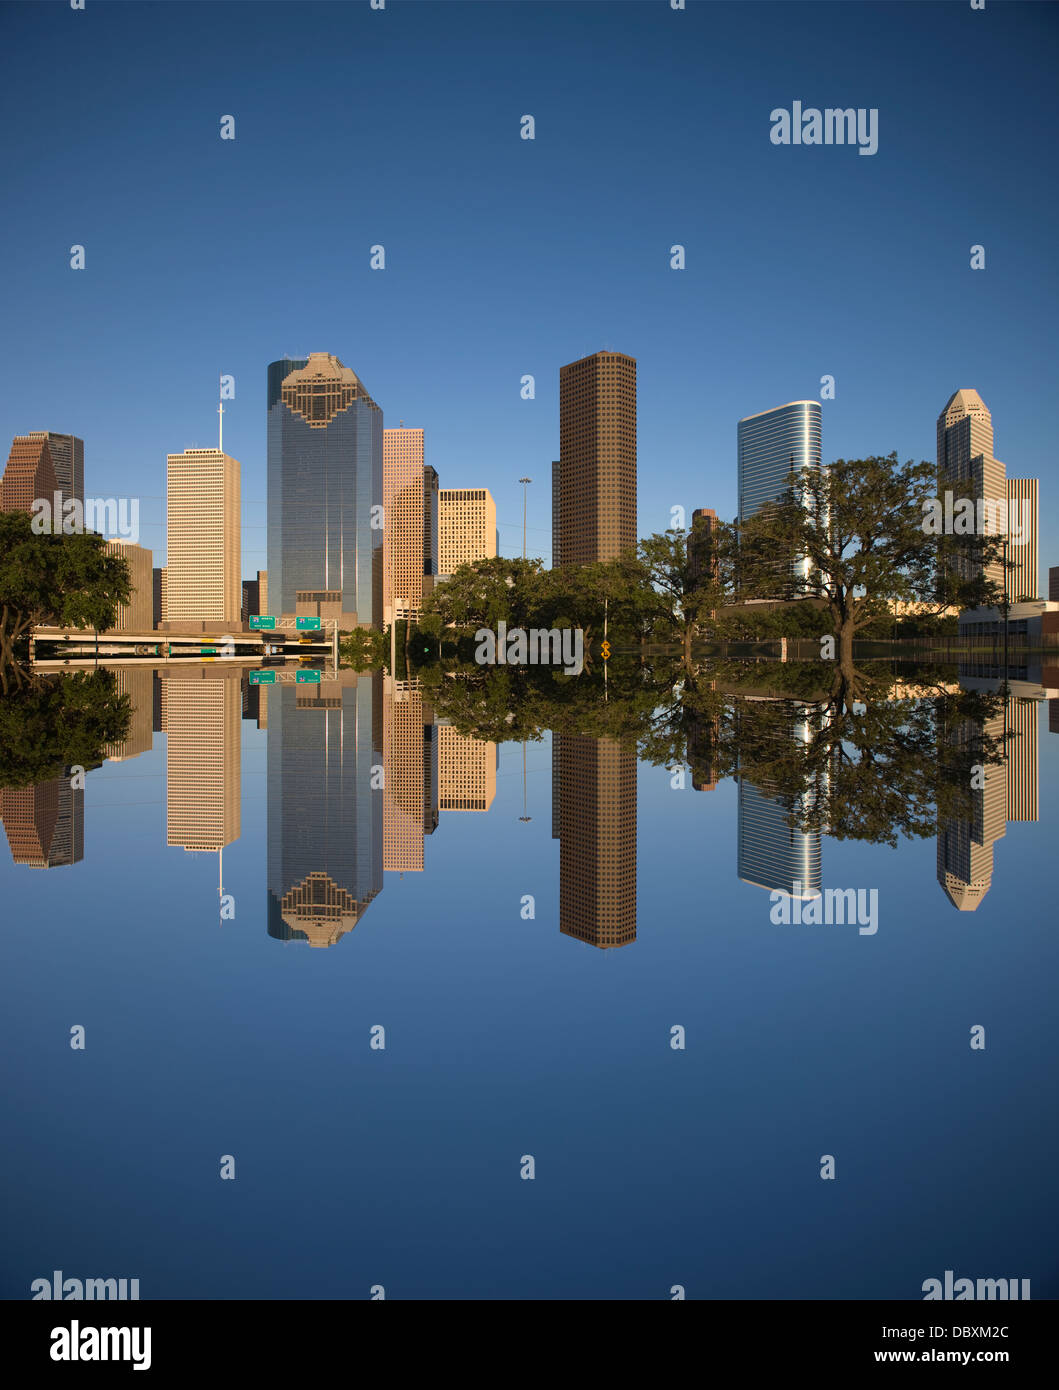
{"x":524,"y":482}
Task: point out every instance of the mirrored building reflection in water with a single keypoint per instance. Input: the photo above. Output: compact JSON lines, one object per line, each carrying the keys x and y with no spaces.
{"x":594,"y":820}
{"x":772,"y":853}
{"x":325,"y":816}
{"x":45,"y":823}
{"x":1008,"y":793}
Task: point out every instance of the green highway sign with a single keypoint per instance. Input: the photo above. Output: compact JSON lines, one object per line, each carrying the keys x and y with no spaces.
{"x":207,"y":651}
{"x":308,"y":624}
{"x":258,"y":623}
{"x":262,"y":678}
{"x":307,"y":677}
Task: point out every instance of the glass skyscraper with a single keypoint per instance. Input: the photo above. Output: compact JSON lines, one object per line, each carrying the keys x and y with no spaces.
{"x":771,"y":445}
{"x":325,"y":818}
{"x":324,"y":478}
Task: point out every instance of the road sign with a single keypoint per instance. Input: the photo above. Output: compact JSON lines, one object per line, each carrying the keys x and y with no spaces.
{"x":207,"y":651}
{"x":307,"y":677}
{"x":262,"y":678}
{"x":308,"y":624}
{"x":259,"y":622}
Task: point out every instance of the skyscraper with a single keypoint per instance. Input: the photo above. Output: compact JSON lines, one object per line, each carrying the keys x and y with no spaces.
{"x":68,"y":460}
{"x":965,"y":847}
{"x":203,"y":528}
{"x":324,"y":480}
{"x":771,"y":445}
{"x":596,"y":780}
{"x":967,"y":468}
{"x":29,"y":474}
{"x":45,"y":823}
{"x":410,"y":537}
{"x":596,"y":475}
{"x":203,"y":771}
{"x":410,"y":764}
{"x":138,"y":614}
{"x":466,"y":771}
{"x":701,"y":542}
{"x":466,"y":527}
{"x":324,"y":812}
{"x":1023,"y":495}
{"x":772,"y":853}
{"x":40,"y":464}
{"x":137,"y":682}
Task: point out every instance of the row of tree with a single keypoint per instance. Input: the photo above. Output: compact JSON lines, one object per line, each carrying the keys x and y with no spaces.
{"x":858,"y":524}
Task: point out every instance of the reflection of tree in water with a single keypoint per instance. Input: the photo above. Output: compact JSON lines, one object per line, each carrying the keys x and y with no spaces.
{"x":51,"y":723}
{"x":869,"y":756}
{"x":48,"y":727}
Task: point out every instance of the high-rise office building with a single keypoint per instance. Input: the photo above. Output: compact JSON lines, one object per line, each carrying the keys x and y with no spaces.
{"x":596,"y":780}
{"x":410,"y":538}
{"x":596,"y":477}
{"x":410,"y":775}
{"x":466,"y":527}
{"x":1023,"y":559}
{"x":324,"y":809}
{"x":45,"y":823}
{"x":40,"y":465}
{"x":255,"y":596}
{"x":203,"y":771}
{"x":702,"y":540}
{"x":138,"y":614}
{"x":557,"y":485}
{"x":772,"y":853}
{"x":203,"y":527}
{"x":965,"y":847}
{"x":968,"y":469}
{"x":68,"y":460}
{"x":1023,"y":761}
{"x":137,"y":682}
{"x":466,"y":771}
{"x":771,"y":445}
{"x":325,"y":493}
{"x":29,"y":474}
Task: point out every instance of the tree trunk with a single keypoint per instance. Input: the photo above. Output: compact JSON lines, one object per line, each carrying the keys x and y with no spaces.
{"x":845,"y":650}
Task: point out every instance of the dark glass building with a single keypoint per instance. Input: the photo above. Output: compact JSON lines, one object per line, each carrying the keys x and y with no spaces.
{"x":324,"y":479}
{"x":325,"y":817}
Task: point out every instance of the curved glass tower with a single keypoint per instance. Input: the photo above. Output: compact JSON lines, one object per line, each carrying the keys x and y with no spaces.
{"x":771,"y":444}
{"x":324,"y":477}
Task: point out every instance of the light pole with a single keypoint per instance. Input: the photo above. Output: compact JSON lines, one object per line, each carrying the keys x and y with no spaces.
{"x":524,"y":816}
{"x":524,"y":482}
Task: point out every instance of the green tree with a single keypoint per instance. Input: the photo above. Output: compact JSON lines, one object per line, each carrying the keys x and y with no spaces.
{"x":51,"y":723}
{"x":683,"y":598}
{"x":65,"y":581}
{"x":860,"y":524}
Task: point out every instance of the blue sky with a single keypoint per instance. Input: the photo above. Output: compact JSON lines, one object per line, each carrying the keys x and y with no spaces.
{"x":506,"y":257}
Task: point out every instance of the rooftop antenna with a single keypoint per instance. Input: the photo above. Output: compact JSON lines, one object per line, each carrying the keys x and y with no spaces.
{"x":220,"y":419}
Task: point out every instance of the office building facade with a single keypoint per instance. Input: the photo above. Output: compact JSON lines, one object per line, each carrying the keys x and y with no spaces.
{"x":466,"y":527}
{"x":594,"y":486}
{"x":968,"y":469}
{"x":325,"y":493}
{"x":203,"y":530}
{"x":770,"y":446}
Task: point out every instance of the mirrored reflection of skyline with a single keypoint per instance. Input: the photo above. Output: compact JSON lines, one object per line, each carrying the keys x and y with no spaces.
{"x":361,"y":771}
